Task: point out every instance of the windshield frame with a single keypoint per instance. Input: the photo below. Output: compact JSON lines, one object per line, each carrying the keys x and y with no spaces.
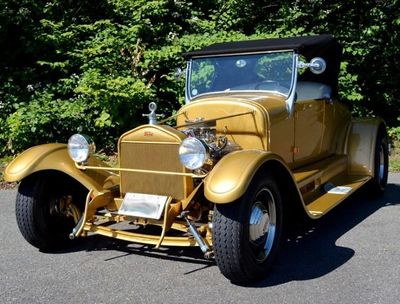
{"x":189,"y":98}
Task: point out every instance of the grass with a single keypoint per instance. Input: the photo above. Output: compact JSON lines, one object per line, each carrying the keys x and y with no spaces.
{"x":394,"y":159}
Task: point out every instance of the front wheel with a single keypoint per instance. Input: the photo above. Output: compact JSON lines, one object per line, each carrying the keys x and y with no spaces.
{"x":248,"y":232}
{"x":47,"y":209}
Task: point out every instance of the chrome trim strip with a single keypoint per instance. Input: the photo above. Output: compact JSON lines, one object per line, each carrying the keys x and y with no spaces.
{"x":187,"y":80}
{"x":82,"y":167}
{"x":150,"y":142}
{"x":292,"y":94}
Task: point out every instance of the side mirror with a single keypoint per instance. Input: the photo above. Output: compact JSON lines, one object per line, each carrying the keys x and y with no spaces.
{"x":317,"y":65}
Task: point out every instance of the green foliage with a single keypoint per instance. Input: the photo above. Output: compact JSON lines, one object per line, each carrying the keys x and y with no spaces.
{"x":69,"y":66}
{"x":394,"y":159}
{"x":3,"y":163}
{"x":394,"y":134}
{"x":45,"y":117}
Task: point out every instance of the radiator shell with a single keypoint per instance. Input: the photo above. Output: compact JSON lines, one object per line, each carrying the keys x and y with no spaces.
{"x":153,"y":147}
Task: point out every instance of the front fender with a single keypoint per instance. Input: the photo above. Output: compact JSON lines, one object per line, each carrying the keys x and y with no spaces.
{"x":232,"y":175}
{"x":54,"y":157}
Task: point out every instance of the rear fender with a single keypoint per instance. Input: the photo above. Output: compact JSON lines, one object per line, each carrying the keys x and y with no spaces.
{"x":361,"y":145}
{"x":56,"y":157}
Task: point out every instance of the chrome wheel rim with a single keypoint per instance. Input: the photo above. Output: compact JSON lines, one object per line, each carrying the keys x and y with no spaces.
{"x":262,"y":225}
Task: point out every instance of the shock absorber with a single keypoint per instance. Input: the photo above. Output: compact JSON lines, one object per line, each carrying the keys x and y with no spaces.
{"x":192,"y":229}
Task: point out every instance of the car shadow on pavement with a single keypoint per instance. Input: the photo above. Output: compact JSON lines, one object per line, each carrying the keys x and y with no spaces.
{"x":308,"y":253}
{"x":313,"y":252}
{"x":191,"y":255}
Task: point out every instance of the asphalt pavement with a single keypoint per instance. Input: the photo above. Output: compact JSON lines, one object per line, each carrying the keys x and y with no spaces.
{"x":352,"y":255}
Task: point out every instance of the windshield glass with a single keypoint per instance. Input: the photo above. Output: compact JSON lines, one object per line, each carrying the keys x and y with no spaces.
{"x":250,"y":72}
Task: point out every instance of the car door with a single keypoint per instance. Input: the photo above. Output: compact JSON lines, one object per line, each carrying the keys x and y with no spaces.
{"x":309,"y":123}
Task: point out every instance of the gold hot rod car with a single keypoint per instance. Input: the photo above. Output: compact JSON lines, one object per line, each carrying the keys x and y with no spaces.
{"x":261,"y":142}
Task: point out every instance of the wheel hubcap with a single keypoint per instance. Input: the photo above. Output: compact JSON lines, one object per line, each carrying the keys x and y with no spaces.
{"x":262,"y":224}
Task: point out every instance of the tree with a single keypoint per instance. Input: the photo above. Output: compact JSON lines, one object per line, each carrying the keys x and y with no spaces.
{"x":69,"y":66}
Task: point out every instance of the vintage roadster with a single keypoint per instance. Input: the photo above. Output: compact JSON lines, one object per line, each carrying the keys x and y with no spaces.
{"x":261,"y":142}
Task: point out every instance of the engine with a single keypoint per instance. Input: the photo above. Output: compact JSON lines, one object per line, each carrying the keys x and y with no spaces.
{"x":215,"y":146}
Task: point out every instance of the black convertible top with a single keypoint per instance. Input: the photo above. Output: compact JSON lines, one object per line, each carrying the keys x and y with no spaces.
{"x":324,"y":46}
{"x":302,"y":44}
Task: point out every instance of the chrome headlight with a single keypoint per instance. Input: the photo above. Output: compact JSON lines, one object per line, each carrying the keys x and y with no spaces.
{"x":192,"y":153}
{"x":80,"y":147}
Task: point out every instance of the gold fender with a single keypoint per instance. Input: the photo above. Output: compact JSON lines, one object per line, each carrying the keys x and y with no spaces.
{"x":232,"y":175}
{"x":361,"y":145}
{"x":55,"y":157}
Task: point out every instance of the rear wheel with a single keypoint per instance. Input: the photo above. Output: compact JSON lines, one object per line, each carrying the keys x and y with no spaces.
{"x":381,"y":160}
{"x":47,"y":209}
{"x":248,"y":232}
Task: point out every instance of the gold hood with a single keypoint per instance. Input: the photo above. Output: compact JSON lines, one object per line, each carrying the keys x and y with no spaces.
{"x":246,"y":119}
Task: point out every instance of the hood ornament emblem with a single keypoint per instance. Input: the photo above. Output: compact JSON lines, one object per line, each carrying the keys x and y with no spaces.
{"x":152,"y":115}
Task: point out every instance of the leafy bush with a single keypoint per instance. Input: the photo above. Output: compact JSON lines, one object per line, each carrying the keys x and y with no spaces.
{"x":68,"y":66}
{"x":394,"y":134}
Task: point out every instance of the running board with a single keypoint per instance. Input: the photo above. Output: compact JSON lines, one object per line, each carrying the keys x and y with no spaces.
{"x":326,"y":183}
{"x":334,"y":193}
{"x":320,"y":172}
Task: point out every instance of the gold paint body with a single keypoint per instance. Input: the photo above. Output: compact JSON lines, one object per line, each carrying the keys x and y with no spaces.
{"x":56,"y":157}
{"x":318,"y":144}
{"x":232,"y":175}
